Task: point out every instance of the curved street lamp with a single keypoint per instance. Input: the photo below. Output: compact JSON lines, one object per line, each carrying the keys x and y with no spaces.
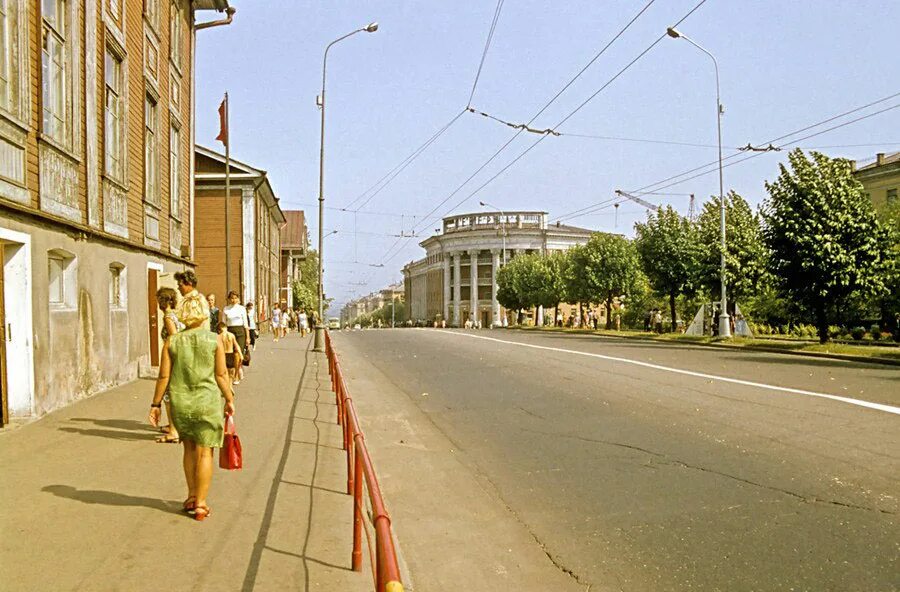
{"x":724,"y":322}
{"x":319,"y":340}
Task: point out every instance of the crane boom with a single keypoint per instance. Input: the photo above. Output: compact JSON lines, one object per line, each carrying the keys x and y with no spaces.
{"x":636,"y":199}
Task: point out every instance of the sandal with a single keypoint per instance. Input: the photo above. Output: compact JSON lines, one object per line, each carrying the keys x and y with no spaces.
{"x":189,"y":504}
{"x":165,"y":429}
{"x":201,"y":513}
{"x":168,"y":439}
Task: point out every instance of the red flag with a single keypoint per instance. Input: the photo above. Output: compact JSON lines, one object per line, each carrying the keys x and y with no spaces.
{"x":223,"y":122}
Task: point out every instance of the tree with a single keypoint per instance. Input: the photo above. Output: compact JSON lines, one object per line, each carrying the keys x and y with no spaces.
{"x":604,"y":268}
{"x":667,"y":245}
{"x":889,"y":305}
{"x":745,"y":250}
{"x":508,"y":286}
{"x":827,"y":245}
{"x":307,"y":289}
{"x":557,"y":264}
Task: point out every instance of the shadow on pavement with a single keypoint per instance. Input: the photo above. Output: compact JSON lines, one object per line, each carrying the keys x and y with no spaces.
{"x":111,"y":498}
{"x":113,"y":434}
{"x":121,"y":424}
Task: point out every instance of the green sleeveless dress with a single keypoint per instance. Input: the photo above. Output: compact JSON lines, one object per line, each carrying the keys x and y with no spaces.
{"x":197,"y":404}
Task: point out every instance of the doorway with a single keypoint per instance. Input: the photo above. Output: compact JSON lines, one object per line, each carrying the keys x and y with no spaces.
{"x":16,"y":331}
{"x":152,"y":318}
{"x":485,"y":318}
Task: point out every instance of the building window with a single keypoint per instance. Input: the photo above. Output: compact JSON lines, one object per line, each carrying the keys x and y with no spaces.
{"x":114,"y":120}
{"x":891,"y":195}
{"x":5,"y":48}
{"x":117,"y":285}
{"x":175,"y":33}
{"x":175,"y":172}
{"x":53,"y":67}
{"x":151,"y":151}
{"x":151,"y":12}
{"x":115,"y":9}
{"x":61,"y":284}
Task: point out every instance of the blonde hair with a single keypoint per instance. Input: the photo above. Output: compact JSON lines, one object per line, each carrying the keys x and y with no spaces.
{"x":193,"y":311}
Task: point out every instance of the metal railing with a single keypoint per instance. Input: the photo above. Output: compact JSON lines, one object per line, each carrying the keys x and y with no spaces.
{"x":359,"y":471}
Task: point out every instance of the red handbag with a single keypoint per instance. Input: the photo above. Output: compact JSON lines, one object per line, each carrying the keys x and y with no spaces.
{"x":231,"y":456}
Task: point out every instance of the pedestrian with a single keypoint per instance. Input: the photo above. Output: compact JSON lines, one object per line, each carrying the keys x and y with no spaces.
{"x":559,"y":319}
{"x":251,"y":319}
{"x":658,"y":321}
{"x":213,"y":312}
{"x":648,"y":318}
{"x":285,"y":319}
{"x":233,"y":356}
{"x":276,"y":322}
{"x":238,"y":322}
{"x":166,"y":299}
{"x":304,"y":323}
{"x":192,"y":370}
{"x":191,"y":299}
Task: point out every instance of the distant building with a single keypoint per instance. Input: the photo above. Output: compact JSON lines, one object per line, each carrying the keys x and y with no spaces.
{"x":254,"y":221}
{"x":294,"y":248}
{"x":881,"y":178}
{"x":456,"y":280}
{"x":372,"y":302}
{"x":96,"y":128}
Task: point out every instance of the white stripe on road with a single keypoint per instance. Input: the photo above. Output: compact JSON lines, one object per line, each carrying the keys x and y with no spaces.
{"x":868,"y":404}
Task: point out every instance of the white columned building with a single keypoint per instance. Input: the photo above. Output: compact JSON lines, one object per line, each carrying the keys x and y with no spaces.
{"x":435,"y":287}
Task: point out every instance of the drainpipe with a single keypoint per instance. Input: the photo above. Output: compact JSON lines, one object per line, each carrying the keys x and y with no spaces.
{"x":193,"y":132}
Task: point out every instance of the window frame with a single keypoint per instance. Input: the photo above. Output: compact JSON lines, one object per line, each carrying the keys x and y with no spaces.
{"x":151,"y":150}
{"x":118,"y":173}
{"x":55,"y":45}
{"x":174,"y":169}
{"x":65,"y":279}
{"x":176,"y":35}
{"x":118,"y":286}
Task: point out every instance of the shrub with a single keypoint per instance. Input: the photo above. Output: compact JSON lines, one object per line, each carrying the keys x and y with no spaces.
{"x":834,"y":331}
{"x":875,"y":330}
{"x":857,"y":333}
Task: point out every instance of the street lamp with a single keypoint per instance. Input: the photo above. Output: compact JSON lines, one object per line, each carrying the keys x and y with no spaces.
{"x":724,"y":322}
{"x":319,"y":343}
{"x":502,"y":228}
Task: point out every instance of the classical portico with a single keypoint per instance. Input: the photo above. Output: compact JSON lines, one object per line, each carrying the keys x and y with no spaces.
{"x":457,"y":279}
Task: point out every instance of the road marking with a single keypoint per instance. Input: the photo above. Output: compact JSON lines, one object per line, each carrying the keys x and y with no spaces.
{"x":858,"y":402}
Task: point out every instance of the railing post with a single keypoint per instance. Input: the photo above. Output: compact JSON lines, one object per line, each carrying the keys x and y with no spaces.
{"x":351,"y":447}
{"x":356,"y":557}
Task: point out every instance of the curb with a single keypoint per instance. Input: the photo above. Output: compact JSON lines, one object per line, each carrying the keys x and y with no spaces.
{"x":843,"y":357}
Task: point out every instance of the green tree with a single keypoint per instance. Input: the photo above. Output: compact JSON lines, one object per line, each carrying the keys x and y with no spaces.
{"x":745,"y":249}
{"x":508,"y":287}
{"x":827,"y":245}
{"x":604,"y":268}
{"x":889,"y":304}
{"x":667,"y":245}
{"x":307,"y":289}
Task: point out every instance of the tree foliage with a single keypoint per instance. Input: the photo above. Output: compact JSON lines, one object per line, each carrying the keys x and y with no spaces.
{"x":826,"y":243}
{"x":745,"y":250}
{"x":604,"y":268}
{"x":306,"y":291}
{"x":668,"y":249}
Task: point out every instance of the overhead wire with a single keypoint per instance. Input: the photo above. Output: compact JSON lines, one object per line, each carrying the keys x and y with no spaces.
{"x":487,"y":46}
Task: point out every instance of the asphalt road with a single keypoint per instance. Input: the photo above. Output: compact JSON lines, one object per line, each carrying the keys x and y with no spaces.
{"x":661,"y":475}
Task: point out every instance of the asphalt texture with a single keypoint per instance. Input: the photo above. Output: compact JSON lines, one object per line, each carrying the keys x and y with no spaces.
{"x":633,"y":477}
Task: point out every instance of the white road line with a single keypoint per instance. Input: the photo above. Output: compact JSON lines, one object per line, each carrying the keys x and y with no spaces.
{"x":858,"y":402}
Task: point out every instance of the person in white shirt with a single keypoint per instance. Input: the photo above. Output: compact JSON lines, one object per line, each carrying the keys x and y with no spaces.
{"x":304,"y":323}
{"x":251,"y":318}
{"x":238,"y":323}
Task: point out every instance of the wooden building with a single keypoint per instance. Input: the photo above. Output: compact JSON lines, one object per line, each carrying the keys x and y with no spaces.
{"x":96,"y":125}
{"x":254,"y":223}
{"x":294,"y":248}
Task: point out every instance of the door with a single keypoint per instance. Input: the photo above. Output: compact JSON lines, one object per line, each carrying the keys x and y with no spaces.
{"x":4,"y":404}
{"x":485,"y":318}
{"x":152,"y":282}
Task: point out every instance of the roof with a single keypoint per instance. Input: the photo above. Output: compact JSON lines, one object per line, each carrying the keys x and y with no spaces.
{"x":888,"y":159}
{"x":239,"y":171}
{"x":556,"y":227}
{"x":218,"y":5}
{"x":293,"y":234}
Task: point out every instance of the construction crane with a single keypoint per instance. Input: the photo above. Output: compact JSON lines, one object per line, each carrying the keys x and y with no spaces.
{"x":636,"y":199}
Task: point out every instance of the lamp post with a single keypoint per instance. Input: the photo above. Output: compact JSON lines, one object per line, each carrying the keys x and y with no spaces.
{"x":502,"y":229}
{"x":724,"y":321}
{"x":319,"y":343}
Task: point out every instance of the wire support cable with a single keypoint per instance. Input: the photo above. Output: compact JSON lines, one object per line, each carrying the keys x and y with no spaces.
{"x":487,"y":46}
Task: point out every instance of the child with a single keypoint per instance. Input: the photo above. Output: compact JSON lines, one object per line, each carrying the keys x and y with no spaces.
{"x":233,"y":355}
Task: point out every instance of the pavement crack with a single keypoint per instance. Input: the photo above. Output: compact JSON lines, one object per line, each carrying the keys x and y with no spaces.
{"x":531,"y":413}
{"x":809,"y":499}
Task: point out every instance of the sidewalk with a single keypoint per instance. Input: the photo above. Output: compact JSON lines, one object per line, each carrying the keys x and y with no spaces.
{"x":90,"y":502}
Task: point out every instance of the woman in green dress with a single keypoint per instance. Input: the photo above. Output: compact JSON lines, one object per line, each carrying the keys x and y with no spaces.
{"x":192,"y":370}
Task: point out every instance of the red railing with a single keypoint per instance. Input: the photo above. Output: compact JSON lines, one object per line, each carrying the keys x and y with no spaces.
{"x":359,"y":468}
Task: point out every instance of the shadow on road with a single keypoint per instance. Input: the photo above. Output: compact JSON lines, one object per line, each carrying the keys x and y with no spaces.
{"x":111,"y":498}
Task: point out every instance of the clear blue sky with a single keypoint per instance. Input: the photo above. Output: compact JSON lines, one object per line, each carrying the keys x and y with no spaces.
{"x":784,"y":65}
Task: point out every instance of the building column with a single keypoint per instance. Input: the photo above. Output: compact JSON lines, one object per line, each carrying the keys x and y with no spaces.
{"x":473,"y":282}
{"x":457,"y":298}
{"x":495,"y":306}
{"x":446,"y":287}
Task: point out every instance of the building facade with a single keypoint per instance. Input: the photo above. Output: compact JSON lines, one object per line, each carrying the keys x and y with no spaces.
{"x":881,"y":179}
{"x":294,"y":248}
{"x":457,"y":279}
{"x":254,"y":233}
{"x":96,"y":124}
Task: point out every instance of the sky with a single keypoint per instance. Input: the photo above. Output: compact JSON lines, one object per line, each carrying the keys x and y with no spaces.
{"x":783,"y":66}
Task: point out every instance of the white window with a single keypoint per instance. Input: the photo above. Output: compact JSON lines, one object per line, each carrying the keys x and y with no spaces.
{"x":151,"y":12}
{"x":175,"y":172}
{"x":115,"y":9}
{"x":53,"y":67}
{"x":5,"y":48}
{"x":176,"y":33}
{"x":114,"y":121}
{"x":117,"y":286}
{"x":61,"y":279}
{"x":151,"y":151}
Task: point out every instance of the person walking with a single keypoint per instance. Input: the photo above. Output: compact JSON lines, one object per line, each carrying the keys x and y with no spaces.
{"x":276,"y":322}
{"x":251,"y":320}
{"x":192,"y":370}
{"x":238,"y":322}
{"x":304,"y":323}
{"x":190,"y":298}
{"x":167,"y":299}
{"x":233,"y":356}
{"x":213,"y":312}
